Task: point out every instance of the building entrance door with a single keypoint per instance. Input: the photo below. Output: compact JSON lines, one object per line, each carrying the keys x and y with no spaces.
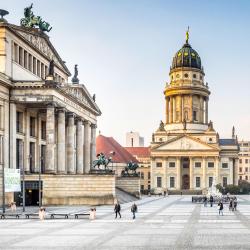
{"x":185,"y":182}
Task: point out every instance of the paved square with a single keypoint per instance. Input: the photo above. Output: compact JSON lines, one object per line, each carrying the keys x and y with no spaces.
{"x":162,"y":223}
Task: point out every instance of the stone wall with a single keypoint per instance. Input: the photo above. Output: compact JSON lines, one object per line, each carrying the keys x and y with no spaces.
{"x":129,"y":184}
{"x":77,"y":189}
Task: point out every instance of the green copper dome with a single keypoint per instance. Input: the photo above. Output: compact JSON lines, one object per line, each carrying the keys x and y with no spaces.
{"x":186,"y":57}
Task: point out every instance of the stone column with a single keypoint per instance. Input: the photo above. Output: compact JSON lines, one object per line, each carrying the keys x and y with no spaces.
{"x":171,"y":110}
{"x":191,"y":109}
{"x":217,"y":170}
{"x":50,"y":140}
{"x":206,"y":120}
{"x":70,"y":144}
{"x":191,"y":173}
{"x":201,"y":110}
{"x":79,"y":146}
{"x":181,"y":109}
{"x":236,"y":168}
{"x":93,"y":144}
{"x":38,"y":143}
{"x":204,"y":172}
{"x":27,"y":143}
{"x":167,"y":109}
{"x":86,"y":146}
{"x":61,"y":146}
{"x":12,"y":135}
{"x":178,"y":173}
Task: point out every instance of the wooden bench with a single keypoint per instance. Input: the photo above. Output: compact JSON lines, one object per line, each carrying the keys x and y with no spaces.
{"x":53,"y":215}
{"x":4,"y":215}
{"x":31,"y":215}
{"x":80,"y":214}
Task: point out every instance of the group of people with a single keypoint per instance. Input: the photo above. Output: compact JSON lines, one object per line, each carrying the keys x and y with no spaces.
{"x":117,"y":210}
{"x":232,"y":203}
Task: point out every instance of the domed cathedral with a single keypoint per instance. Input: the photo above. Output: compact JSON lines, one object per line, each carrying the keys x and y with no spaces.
{"x":187,"y":153}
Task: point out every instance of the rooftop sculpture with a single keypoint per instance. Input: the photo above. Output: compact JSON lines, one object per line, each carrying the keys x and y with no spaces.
{"x":32,"y":21}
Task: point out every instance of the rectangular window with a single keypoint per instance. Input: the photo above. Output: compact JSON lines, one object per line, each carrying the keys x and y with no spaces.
{"x":240,"y":178}
{"x":32,"y":126}
{"x":171,"y":164}
{"x":42,"y":158}
{"x":149,"y":187}
{"x":224,"y":165}
{"x":246,"y":169}
{"x":19,"y":122}
{"x":224,"y":180}
{"x":158,"y":164}
{"x":240,"y":160}
{"x":38,"y":71}
{"x":142,"y":187}
{"x":197,"y":164}
{"x":198,"y":182}
{"x":246,"y":177}
{"x":210,"y":164}
{"x":246,"y":160}
{"x":43,"y":130}
{"x":142,"y":175}
{"x":16,"y":58}
{"x":149,"y":176}
{"x":172,"y":182}
{"x":20,"y":60}
{"x":158,"y":182}
{"x":19,"y":154}
{"x":240,"y":169}
{"x":194,"y":115}
{"x":30,"y":62}
{"x":32,"y":157}
{"x":210,"y":181}
{"x":25,"y":60}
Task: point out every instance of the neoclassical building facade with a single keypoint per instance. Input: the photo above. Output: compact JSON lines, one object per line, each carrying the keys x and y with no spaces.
{"x":46,"y":122}
{"x":186,"y":151}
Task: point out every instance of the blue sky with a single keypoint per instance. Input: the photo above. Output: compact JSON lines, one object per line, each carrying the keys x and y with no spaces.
{"x":124,"y":50}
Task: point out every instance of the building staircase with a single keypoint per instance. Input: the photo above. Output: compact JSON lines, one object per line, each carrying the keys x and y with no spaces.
{"x":123,"y":196}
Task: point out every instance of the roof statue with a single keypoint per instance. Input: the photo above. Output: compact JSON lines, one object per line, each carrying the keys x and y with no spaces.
{"x":94,"y":97}
{"x":32,"y":21}
{"x":51,"y":68}
{"x":2,"y":14}
{"x":187,"y":35}
{"x":75,"y":79}
{"x":161,"y":126}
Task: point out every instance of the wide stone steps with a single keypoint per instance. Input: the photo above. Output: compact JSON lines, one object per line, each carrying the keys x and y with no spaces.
{"x":124,"y":197}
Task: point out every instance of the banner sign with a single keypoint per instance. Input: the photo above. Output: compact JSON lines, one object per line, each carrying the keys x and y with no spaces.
{"x":12,"y":180}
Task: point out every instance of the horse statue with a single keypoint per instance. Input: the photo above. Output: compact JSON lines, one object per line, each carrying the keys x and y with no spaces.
{"x":130,"y":167}
{"x":101,"y":161}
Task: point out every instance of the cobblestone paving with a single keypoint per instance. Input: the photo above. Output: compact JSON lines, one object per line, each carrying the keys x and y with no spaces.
{"x":161,"y":223}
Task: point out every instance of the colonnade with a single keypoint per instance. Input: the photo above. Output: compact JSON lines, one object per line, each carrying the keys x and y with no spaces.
{"x":83,"y":134}
{"x":177,"y":111}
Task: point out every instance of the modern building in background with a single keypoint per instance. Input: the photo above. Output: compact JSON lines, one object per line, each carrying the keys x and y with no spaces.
{"x":142,"y":154}
{"x":244,"y":161}
{"x":133,"y":139}
{"x":186,"y":151}
{"x":47,"y":123}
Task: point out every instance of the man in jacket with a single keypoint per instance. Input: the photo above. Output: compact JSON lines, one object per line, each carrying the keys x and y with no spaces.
{"x":134,"y":210}
{"x":117,"y":209}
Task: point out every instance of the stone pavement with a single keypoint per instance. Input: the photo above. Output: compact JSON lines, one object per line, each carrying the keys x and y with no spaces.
{"x":162,"y":223}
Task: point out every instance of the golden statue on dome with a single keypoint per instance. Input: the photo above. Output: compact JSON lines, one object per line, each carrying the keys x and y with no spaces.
{"x":187,"y":35}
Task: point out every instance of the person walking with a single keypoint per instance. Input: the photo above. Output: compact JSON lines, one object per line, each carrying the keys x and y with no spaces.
{"x":231,"y":204}
{"x":205,"y":201}
{"x":117,"y":209}
{"x":134,"y":210}
{"x":211,"y":200}
{"x":235,"y":203}
{"x":220,"y":208}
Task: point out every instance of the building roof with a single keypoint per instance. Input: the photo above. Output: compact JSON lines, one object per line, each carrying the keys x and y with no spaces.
{"x":227,"y":142}
{"x":108,"y":144}
{"x":140,"y":152}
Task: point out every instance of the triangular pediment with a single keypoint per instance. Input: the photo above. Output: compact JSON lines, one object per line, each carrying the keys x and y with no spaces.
{"x":185,"y":143}
{"x":81,"y":94}
{"x":41,"y":42}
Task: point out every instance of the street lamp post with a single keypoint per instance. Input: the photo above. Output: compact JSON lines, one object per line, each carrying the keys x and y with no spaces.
{"x":40,"y":186}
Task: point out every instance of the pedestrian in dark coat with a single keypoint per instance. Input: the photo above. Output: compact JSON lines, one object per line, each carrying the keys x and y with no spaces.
{"x":117,"y":209}
{"x":211,"y":200}
{"x":220,"y":208}
{"x":134,"y":210}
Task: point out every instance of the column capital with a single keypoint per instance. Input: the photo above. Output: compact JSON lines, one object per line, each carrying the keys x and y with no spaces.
{"x":61,"y":110}
{"x":71,"y":114}
{"x":79,"y":119}
{"x":86,"y":122}
{"x":93,"y":125}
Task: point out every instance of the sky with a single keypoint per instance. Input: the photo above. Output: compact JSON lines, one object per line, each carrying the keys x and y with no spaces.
{"x":124,"y":50}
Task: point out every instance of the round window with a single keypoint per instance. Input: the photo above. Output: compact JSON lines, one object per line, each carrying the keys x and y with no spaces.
{"x":177,"y":76}
{"x":186,"y":75}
